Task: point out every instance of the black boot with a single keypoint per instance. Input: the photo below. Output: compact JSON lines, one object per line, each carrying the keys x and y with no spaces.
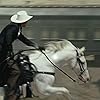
{"x":14,"y":96}
{"x":28,"y":91}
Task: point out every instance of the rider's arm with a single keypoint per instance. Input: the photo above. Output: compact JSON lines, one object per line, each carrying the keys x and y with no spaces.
{"x":22,"y":38}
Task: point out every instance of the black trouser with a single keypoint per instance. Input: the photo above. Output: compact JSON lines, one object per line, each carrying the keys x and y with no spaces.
{"x":3,"y":72}
{"x":13,"y":80}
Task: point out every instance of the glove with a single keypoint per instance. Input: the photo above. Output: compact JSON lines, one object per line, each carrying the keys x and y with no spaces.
{"x":41,"y":48}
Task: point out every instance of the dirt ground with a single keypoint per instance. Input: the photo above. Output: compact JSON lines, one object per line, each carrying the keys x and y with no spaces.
{"x":89,"y":91}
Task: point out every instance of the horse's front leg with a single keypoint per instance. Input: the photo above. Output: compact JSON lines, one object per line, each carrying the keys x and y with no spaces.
{"x":44,"y":85}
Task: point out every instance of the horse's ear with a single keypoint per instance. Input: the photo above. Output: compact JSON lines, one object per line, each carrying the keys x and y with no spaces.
{"x":82,"y":49}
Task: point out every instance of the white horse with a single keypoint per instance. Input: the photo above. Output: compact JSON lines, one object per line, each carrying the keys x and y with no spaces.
{"x":58,"y":52}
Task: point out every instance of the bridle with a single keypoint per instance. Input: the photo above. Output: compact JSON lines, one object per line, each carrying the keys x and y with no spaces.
{"x":78,"y":61}
{"x":81,"y":64}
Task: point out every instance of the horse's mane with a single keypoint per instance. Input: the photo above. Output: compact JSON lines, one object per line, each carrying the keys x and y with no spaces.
{"x":58,"y":45}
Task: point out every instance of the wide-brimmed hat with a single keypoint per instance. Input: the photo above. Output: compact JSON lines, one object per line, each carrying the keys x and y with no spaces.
{"x":20,"y":17}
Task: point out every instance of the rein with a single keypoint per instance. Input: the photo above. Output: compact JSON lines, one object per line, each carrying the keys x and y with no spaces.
{"x":82,"y":69}
{"x":47,"y":59}
{"x":51,"y":63}
{"x":9,"y":58}
{"x":58,"y":67}
{"x":45,"y":73}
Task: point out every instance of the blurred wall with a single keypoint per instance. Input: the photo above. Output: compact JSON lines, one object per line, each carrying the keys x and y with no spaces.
{"x":80,"y":30}
{"x":48,"y":2}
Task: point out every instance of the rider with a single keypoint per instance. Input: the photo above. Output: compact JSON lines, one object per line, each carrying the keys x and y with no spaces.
{"x":10,"y":33}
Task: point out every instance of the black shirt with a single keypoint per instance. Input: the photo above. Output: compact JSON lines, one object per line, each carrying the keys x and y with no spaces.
{"x":7,"y":37}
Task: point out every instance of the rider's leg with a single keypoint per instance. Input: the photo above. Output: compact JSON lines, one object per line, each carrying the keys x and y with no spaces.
{"x":12,"y":82}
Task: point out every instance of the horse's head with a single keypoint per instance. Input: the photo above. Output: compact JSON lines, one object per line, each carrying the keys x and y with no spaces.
{"x":65,"y":50}
{"x":80,"y":67}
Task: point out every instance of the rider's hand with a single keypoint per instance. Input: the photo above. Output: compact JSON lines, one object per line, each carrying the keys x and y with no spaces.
{"x":10,"y":54}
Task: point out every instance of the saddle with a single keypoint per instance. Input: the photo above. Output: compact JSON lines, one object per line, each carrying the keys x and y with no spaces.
{"x":27,"y":72}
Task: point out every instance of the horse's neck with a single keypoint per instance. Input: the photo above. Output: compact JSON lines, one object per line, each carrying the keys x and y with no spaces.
{"x":40,"y":59}
{"x":65,"y":53}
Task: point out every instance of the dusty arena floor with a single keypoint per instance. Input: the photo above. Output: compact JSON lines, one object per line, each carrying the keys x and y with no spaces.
{"x":89,"y":91}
